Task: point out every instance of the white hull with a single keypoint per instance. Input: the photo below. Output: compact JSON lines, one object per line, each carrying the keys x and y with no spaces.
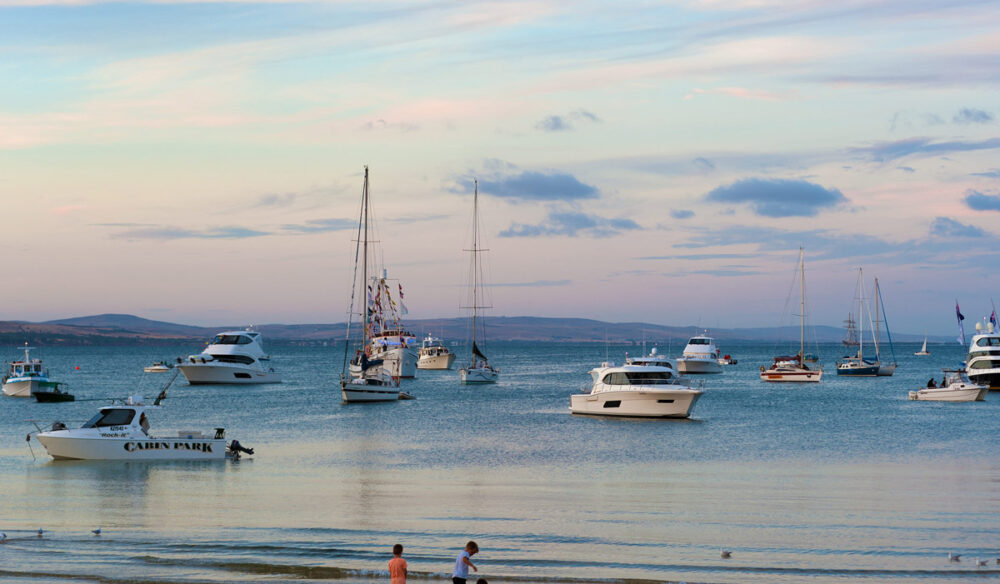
{"x":363,"y":393}
{"x":21,"y":388}
{"x":675,"y":403}
{"x":62,"y":447}
{"x":795,"y":376}
{"x":156,"y":369}
{"x":436,"y":361}
{"x":886,"y":370}
{"x":963,"y":394}
{"x":922,"y":353}
{"x":698,"y":366}
{"x":225,"y":373}
{"x":398,"y":362}
{"x":478,"y":375}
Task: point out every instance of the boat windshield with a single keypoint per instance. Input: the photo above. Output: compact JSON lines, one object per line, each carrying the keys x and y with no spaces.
{"x":988,"y":341}
{"x":231,"y":340}
{"x":638,"y":378}
{"x":111,"y":417}
{"x":700,"y":342}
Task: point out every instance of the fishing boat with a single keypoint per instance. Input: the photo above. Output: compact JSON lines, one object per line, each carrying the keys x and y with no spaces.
{"x":635,"y":391}
{"x":885,"y":368}
{"x":24,"y":376}
{"x":434,"y":355}
{"x":792,"y":368}
{"x":700,"y":356}
{"x":955,"y":387}
{"x":121,"y":431}
{"x":231,"y":357}
{"x":856,"y":365}
{"x":982,"y":364}
{"x":364,"y":378}
{"x":478,"y":368}
{"x":923,"y":349}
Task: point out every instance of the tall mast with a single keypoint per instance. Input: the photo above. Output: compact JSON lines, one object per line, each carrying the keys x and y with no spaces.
{"x":475,"y":259}
{"x":878,"y":332}
{"x":802,"y":305}
{"x":861,"y":316}
{"x":364,"y":267}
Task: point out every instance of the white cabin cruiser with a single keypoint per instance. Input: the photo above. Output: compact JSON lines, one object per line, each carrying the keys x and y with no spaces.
{"x":434,"y":355}
{"x":700,"y":356}
{"x":653,"y":359}
{"x":982,"y":364}
{"x":394,"y":348}
{"x":640,"y":391}
{"x":231,"y":357}
{"x":121,"y":432}
{"x":956,"y":387}
{"x":25,"y":377}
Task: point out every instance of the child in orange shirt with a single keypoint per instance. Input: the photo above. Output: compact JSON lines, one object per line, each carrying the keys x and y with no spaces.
{"x":397,"y":566}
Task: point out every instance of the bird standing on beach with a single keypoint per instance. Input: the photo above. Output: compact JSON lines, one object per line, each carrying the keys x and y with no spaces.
{"x":96,"y":531}
{"x":981,"y":563}
{"x":954,"y":557}
{"x":726,"y":554}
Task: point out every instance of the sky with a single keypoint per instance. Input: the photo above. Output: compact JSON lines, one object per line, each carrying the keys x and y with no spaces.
{"x":202,"y":162}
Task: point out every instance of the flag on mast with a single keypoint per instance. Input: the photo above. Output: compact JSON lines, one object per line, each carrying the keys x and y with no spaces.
{"x":961,"y":325}
{"x":402,"y":306}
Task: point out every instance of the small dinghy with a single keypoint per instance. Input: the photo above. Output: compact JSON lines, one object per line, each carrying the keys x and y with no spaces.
{"x":955,"y":387}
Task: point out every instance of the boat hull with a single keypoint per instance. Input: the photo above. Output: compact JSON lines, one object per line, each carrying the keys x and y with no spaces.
{"x":947,"y":394}
{"x":886,"y":370}
{"x":60,"y":446}
{"x":438,"y":362}
{"x":399,"y":362}
{"x":698,"y":366}
{"x":364,"y":393}
{"x":790,"y":376}
{"x":636,"y":404}
{"x":990,"y":379}
{"x":225,"y":373}
{"x":478,"y":375}
{"x":856,"y":370}
{"x":21,"y":387}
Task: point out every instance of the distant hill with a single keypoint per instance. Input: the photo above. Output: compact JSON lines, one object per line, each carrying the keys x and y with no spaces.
{"x":120,"y":329}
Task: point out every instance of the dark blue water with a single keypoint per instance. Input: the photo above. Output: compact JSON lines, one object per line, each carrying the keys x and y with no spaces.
{"x":825,"y":482}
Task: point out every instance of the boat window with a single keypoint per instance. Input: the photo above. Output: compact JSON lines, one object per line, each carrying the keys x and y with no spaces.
{"x":618,"y":378}
{"x":244,"y":359}
{"x":648,"y":377}
{"x":244,"y":341}
{"x":112,"y":417}
{"x":698,"y":342}
{"x":984,"y":364}
{"x":613,"y":403}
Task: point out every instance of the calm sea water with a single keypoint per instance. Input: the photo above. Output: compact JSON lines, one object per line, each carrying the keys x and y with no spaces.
{"x":841,"y":480}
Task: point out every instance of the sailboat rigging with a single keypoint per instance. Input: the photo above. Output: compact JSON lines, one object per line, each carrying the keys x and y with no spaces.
{"x":792,"y":367}
{"x":479,"y":369}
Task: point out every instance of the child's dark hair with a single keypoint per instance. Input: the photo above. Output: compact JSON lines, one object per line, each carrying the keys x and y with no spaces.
{"x":472,"y":546}
{"x":397,"y":549}
{"x":482,"y":581}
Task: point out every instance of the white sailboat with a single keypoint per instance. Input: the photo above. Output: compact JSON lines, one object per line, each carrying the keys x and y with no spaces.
{"x":365,"y":379}
{"x":792,"y":367}
{"x":923,"y":349}
{"x":857,"y":365}
{"x":478,"y":369}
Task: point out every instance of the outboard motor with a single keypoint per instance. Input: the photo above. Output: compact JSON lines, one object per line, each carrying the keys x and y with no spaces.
{"x":235,"y":448}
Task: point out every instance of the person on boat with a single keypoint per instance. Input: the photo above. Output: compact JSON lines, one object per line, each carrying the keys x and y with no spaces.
{"x":944,"y":381}
{"x":144,"y":423}
{"x":930,"y":383}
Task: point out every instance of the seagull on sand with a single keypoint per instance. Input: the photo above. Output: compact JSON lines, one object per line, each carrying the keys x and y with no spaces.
{"x":726,"y":554}
{"x":96,"y":531}
{"x":981,"y":563}
{"x":954,"y":557}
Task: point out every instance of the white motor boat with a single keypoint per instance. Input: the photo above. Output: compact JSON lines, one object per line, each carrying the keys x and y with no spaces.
{"x":640,"y":391}
{"x":700,"y":356}
{"x":394,"y":348}
{"x":653,"y":359}
{"x":121,"y":432}
{"x":957,"y":387}
{"x":231,"y":357}
{"x":158,"y":367}
{"x":434,"y":355}
{"x":478,"y":369}
{"x":982,"y":364}
{"x":25,"y":377}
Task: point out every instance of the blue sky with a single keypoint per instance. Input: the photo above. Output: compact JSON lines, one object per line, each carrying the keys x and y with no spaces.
{"x":201,"y":162}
